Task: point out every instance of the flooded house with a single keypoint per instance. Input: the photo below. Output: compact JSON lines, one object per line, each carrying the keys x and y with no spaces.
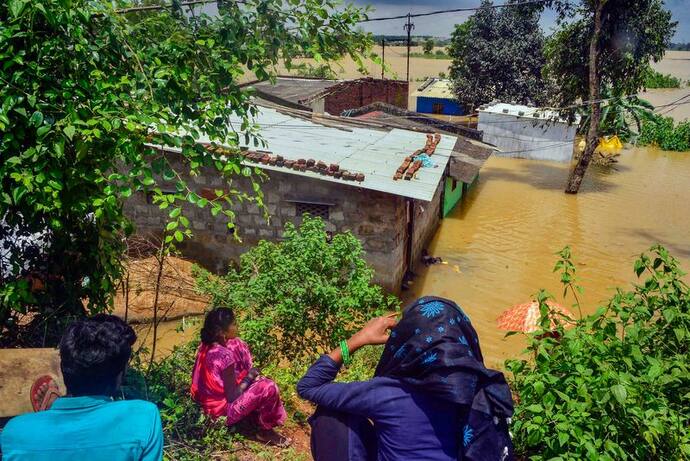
{"x":436,"y":96}
{"x":388,"y":184}
{"x":330,"y":96}
{"x":528,"y":132}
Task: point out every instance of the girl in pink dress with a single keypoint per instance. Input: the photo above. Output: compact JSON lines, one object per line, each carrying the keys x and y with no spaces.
{"x":225,"y":383}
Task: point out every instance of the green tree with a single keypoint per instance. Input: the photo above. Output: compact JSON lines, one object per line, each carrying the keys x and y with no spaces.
{"x":498,"y":54}
{"x":85,"y":94}
{"x":428,"y":46}
{"x":604,"y":43}
{"x":307,"y":286}
{"x":616,"y":385}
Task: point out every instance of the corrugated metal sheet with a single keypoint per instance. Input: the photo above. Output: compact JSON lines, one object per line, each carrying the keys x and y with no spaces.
{"x":530,"y":112}
{"x":374,"y":152}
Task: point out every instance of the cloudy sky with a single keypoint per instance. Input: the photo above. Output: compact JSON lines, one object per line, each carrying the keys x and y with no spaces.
{"x":442,"y":25}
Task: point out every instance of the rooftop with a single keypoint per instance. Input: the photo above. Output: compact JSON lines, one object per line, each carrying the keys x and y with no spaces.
{"x":346,"y":151}
{"x":299,"y":92}
{"x":372,"y":151}
{"x":518,"y":110}
{"x":435,"y":88}
{"x":295,"y":90}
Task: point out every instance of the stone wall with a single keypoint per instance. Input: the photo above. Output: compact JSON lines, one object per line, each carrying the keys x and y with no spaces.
{"x":361,"y":92}
{"x":375,"y":218}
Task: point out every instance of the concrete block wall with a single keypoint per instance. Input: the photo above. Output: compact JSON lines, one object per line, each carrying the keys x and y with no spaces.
{"x":426,"y":218}
{"x":375,"y":218}
{"x":358,"y":93}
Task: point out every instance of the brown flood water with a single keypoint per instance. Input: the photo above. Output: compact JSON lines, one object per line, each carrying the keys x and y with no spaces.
{"x":500,"y":243}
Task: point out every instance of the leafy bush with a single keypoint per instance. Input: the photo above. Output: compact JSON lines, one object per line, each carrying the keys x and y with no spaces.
{"x":662,"y":132}
{"x":316,"y":71}
{"x":300,"y":296}
{"x":654,"y":79}
{"x":616,"y":385}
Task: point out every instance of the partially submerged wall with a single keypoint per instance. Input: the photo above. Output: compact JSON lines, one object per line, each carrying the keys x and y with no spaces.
{"x":426,"y":218}
{"x":528,"y":137}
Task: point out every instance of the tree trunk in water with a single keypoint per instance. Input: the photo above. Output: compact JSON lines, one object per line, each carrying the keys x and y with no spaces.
{"x":578,"y":173}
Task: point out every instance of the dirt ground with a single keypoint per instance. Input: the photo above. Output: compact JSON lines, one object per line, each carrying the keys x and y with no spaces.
{"x":176,"y":298}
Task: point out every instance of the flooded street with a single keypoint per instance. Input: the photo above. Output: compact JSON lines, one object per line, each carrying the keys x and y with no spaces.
{"x":503,"y":237}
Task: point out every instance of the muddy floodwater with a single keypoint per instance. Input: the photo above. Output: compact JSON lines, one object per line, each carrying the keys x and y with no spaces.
{"x":500,"y":243}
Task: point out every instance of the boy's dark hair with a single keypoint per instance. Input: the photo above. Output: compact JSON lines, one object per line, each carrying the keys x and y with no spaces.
{"x":215,"y":323}
{"x":93,"y":353}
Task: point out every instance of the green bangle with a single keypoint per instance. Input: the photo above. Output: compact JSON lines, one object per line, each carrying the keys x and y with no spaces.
{"x":345,"y":351}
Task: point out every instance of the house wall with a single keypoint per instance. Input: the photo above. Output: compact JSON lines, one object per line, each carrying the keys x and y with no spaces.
{"x":451,"y":195}
{"x":358,"y":93}
{"x":530,"y":138}
{"x":450,"y":106}
{"x":426,"y":218}
{"x":375,"y":218}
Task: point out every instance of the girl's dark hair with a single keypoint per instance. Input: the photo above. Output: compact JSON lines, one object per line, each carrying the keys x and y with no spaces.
{"x":215,"y":323}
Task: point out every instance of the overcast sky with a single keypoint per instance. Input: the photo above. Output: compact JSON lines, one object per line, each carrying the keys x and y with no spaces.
{"x":442,"y":25}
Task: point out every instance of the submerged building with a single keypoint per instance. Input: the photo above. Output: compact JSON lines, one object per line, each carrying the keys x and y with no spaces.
{"x":528,"y":132}
{"x":387,"y":181}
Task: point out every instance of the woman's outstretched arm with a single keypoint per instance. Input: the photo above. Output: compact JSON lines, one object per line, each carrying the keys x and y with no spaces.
{"x":360,"y":398}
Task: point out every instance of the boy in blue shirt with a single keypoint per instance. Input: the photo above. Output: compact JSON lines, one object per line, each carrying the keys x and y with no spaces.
{"x":87,"y":424}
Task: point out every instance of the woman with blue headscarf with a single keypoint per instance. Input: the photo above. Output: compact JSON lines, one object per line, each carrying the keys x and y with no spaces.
{"x":431,"y":397}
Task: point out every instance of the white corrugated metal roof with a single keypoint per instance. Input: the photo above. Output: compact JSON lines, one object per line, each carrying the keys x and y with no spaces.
{"x":518,"y":110}
{"x":436,"y":88}
{"x":374,"y":152}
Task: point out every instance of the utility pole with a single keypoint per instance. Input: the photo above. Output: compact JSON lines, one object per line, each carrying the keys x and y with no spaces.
{"x":408,"y":27}
{"x":383,"y":56}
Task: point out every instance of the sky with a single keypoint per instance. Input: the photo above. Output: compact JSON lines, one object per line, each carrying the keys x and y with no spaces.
{"x":442,"y":25}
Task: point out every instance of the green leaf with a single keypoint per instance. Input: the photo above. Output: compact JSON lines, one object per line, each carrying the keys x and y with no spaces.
{"x":563,"y":438}
{"x":17,"y":6}
{"x":175,"y":212}
{"x":36,"y":118}
{"x":680,"y":333}
{"x":535,"y":408}
{"x":619,"y":393}
{"x":178,"y":236}
{"x":55,"y":185}
{"x":69,"y":131}
{"x":171,"y":225}
{"x":42,"y":130}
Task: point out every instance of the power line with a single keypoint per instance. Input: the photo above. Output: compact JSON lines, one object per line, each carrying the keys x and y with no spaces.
{"x":454,"y":10}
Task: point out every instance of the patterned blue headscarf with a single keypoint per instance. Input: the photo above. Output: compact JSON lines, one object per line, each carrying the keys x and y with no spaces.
{"x":435,"y":349}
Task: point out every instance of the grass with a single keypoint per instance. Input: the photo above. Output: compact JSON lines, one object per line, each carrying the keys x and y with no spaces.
{"x":436,"y":55}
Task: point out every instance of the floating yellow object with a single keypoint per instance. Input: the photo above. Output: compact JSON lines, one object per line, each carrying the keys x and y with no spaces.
{"x":609,"y":145}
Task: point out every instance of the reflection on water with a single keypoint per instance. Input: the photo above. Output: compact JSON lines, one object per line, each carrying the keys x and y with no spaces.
{"x":504,"y":237}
